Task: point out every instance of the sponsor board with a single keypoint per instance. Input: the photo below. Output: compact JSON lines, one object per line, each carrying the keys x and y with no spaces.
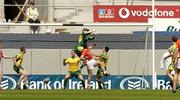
{"x":135,"y":13}
{"x":166,"y":24}
{"x":112,"y":82}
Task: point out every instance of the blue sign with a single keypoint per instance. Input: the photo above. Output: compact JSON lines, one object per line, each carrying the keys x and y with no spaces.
{"x":112,"y":82}
{"x":101,"y":11}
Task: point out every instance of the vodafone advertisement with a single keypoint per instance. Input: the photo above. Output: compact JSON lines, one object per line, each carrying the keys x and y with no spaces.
{"x":137,"y":13}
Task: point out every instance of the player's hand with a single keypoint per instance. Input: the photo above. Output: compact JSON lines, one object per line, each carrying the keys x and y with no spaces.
{"x":106,"y":74}
{"x":64,"y":60}
{"x":13,"y":59}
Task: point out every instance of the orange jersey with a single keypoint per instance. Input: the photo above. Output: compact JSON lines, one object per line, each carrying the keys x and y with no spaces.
{"x":87,"y":53}
{"x":178,"y":43}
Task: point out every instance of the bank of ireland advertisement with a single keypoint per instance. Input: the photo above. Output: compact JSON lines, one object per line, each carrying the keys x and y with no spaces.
{"x":112,"y":82}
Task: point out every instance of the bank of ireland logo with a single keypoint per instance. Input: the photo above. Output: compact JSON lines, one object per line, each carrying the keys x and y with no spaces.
{"x":8,"y":83}
{"x":124,"y":13}
{"x":134,"y":83}
{"x":101,"y":11}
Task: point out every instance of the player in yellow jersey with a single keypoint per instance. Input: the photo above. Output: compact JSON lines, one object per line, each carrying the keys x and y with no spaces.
{"x":73,"y":62}
{"x":18,"y":59}
{"x":103,"y":58}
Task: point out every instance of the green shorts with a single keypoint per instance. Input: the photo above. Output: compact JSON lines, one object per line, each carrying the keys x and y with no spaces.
{"x":76,"y":73}
{"x":100,"y":72}
{"x":17,"y":69}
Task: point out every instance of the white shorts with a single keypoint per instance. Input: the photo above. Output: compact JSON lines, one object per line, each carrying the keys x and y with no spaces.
{"x":178,"y":63}
{"x":91,"y":63}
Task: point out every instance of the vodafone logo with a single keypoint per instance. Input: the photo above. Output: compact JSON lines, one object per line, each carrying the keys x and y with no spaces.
{"x":124,"y":13}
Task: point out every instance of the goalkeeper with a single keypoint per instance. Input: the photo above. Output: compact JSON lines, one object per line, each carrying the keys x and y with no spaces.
{"x":87,"y":35}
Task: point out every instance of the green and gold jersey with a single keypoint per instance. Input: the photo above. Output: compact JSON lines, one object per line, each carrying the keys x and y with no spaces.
{"x":73,"y":63}
{"x":19,"y":59}
{"x":104,"y":58}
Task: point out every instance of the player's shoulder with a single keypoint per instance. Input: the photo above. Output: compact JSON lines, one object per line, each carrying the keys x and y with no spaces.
{"x":19,"y":54}
{"x":69,"y":58}
{"x":85,"y":50}
{"x":178,"y":41}
{"x":77,"y":58}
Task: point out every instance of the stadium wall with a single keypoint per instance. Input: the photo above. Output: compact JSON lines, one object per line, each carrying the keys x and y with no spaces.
{"x":45,"y":53}
{"x":121,"y":62}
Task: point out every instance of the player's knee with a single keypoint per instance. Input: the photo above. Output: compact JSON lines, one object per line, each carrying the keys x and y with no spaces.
{"x":24,"y":75}
{"x":66,"y":77}
{"x":81,"y":78}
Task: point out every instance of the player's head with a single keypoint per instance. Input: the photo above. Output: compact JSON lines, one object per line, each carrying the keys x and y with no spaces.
{"x":85,"y":30}
{"x":23,"y":49}
{"x":1,"y":45}
{"x":85,"y":45}
{"x":33,"y":4}
{"x":170,"y":49}
{"x":174,"y":39}
{"x":73,"y":53}
{"x":106,"y":49}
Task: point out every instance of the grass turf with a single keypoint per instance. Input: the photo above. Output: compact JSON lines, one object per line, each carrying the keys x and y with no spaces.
{"x":89,"y":95}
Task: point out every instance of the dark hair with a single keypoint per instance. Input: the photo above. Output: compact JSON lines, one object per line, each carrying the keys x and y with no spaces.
{"x":85,"y":45}
{"x":106,"y":49}
{"x":174,"y":38}
{"x":73,"y":50}
{"x":22,"y":49}
{"x":85,"y":29}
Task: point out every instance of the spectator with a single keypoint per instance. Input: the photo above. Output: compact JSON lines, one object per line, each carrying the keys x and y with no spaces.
{"x":32,"y":16}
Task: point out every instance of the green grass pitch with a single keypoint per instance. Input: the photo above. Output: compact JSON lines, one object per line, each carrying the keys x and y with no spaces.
{"x":89,"y":95}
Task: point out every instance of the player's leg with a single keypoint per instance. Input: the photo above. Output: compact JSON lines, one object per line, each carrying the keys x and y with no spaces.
{"x":90,"y":67}
{"x":82,"y":79}
{"x":177,"y":70}
{"x":66,"y":79}
{"x":168,"y":72}
{"x":1,"y":76}
{"x":99,"y":75}
{"x":90,"y":72}
{"x":23,"y":77}
{"x":175,"y":80}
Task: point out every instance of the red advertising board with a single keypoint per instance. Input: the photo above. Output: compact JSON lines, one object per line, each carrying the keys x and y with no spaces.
{"x":137,"y":13}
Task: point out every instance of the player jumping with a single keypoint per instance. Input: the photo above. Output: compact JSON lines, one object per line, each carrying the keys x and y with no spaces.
{"x":73,"y":62}
{"x":19,"y":69}
{"x":86,"y":36}
{"x":102,"y":70}
{"x":90,"y":63}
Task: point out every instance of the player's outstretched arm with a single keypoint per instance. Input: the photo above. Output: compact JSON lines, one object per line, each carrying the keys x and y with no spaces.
{"x":92,"y":46}
{"x":64,"y":62}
